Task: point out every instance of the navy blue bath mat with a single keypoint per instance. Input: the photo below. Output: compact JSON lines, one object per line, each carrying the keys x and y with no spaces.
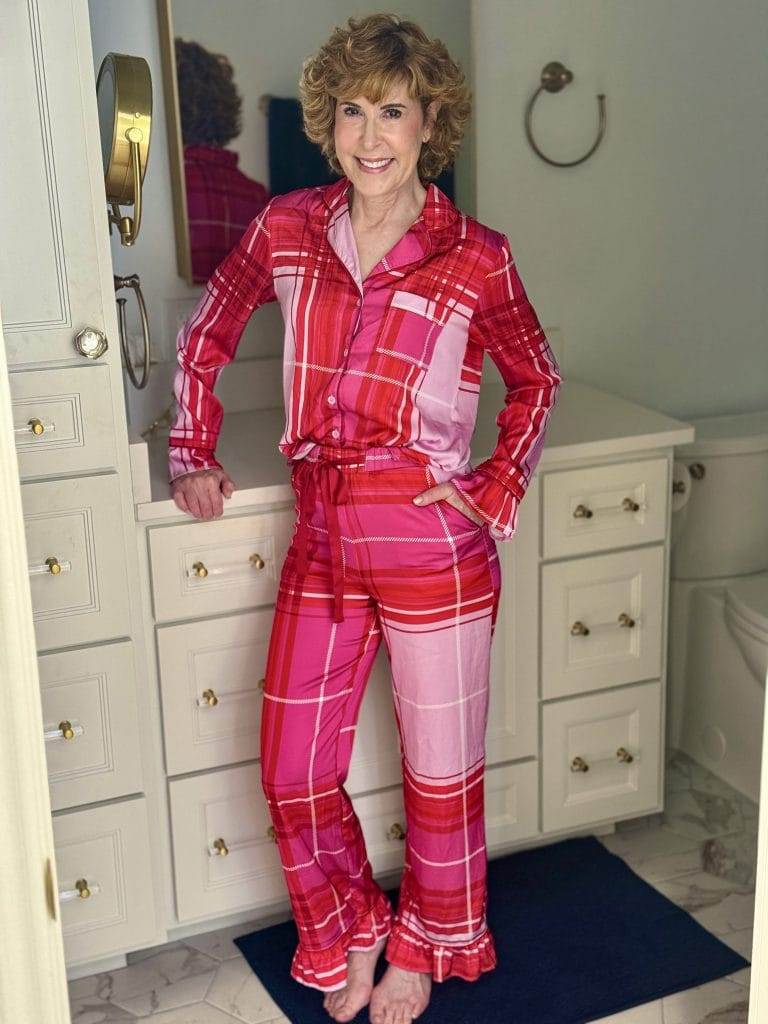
{"x":578,"y":936}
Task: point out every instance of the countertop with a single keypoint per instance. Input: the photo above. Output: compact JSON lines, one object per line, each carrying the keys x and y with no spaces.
{"x":585,"y":423}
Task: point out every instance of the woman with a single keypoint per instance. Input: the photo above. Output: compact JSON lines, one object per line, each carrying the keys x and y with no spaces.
{"x":391,"y":296}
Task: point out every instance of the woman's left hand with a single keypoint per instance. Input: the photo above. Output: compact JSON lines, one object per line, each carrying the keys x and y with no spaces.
{"x":452,"y":496}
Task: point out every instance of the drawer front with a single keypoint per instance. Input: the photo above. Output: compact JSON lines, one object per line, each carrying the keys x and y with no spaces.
{"x":601,"y":756}
{"x":383,"y":824}
{"x":104,"y":869}
{"x":603,"y":507}
{"x":221,"y":565}
{"x":511,"y":803}
{"x":226,"y":807}
{"x":63,"y":420}
{"x":601,"y":621}
{"x":78,"y":523}
{"x":212,"y":689}
{"x":211,"y":684}
{"x":90,"y":717}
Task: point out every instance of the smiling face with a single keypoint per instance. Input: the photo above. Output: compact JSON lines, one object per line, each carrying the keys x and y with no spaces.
{"x":378,"y":145}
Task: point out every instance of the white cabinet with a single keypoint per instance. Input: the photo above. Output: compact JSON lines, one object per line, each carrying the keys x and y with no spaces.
{"x":576,"y":705}
{"x":69,"y":424}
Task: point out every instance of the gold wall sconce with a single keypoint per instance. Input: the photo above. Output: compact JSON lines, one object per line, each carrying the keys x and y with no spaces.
{"x":124,"y":98}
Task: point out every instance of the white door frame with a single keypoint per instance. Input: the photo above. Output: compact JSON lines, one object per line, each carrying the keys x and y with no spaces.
{"x":33,"y":980}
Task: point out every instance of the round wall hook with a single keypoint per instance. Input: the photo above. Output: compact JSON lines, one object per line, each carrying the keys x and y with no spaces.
{"x":554,"y":77}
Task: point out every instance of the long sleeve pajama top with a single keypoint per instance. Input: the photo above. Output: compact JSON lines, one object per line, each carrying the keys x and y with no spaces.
{"x":395,"y":359}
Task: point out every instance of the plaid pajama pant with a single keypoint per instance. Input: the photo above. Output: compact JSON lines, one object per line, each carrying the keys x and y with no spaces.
{"x":365,"y":563}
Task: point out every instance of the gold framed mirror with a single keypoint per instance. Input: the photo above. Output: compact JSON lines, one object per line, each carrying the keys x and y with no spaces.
{"x":124,"y":100}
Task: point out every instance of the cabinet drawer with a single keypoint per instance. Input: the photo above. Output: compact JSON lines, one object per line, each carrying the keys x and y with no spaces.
{"x":511,"y":803}
{"x":92,"y":689}
{"x":593,"y":509}
{"x":63,"y":420}
{"x":78,"y":522}
{"x":211,"y":684}
{"x":222,"y":565}
{"x":225,"y":805}
{"x":382,"y":820}
{"x":601,"y":621}
{"x":106,"y":849}
{"x":616,"y":737}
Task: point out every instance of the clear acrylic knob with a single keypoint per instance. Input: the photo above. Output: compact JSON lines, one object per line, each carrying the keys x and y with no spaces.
{"x":91,"y":342}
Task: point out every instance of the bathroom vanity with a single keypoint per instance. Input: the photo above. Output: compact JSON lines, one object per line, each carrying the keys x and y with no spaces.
{"x":577,"y":719}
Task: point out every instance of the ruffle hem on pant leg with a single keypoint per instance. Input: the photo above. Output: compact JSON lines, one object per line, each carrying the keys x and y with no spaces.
{"x":326,"y":969}
{"x":411,"y":952}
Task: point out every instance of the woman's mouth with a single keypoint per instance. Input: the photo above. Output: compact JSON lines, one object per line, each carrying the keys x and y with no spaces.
{"x":374,"y":166}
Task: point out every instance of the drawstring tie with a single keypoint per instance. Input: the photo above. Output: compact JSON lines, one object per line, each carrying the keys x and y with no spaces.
{"x":328,"y":477}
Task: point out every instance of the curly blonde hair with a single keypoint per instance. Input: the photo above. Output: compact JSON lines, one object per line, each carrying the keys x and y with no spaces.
{"x":370,"y":57}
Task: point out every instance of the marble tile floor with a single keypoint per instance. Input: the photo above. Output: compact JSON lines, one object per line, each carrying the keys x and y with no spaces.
{"x":700,"y":852}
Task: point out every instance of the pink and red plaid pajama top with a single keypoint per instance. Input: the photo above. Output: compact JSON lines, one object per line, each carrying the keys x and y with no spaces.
{"x":394,"y":360}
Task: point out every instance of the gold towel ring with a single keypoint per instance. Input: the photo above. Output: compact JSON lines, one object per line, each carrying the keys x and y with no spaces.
{"x":555,"y":77}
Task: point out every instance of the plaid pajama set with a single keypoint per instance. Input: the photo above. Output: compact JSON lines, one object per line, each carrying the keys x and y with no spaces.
{"x":381,"y":382}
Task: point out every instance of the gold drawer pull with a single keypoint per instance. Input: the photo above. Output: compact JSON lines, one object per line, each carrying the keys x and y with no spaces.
{"x":210,"y":698}
{"x":50,"y":567}
{"x":271,"y":834}
{"x":200,"y":570}
{"x":624,"y":621}
{"x":578,"y":764}
{"x":35,"y":426}
{"x":83,"y":890}
{"x":628,"y":504}
{"x":65,"y":730}
{"x":221,"y":847}
{"x":396,"y":831}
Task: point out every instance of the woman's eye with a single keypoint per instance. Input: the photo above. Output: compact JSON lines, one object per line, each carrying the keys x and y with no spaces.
{"x":349,"y":111}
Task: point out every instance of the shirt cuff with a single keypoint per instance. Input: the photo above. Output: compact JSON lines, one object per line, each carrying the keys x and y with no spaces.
{"x":183,"y":460}
{"x":494,"y":502}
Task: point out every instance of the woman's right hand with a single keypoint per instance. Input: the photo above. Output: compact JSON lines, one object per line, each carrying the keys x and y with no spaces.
{"x":200,"y":492}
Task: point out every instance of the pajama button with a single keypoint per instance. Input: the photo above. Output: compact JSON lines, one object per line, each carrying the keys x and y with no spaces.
{"x":334,"y":432}
{"x":331,"y":399}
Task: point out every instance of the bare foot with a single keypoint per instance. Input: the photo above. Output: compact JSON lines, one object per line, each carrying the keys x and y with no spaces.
{"x":345,"y":1003}
{"x":400,"y":996}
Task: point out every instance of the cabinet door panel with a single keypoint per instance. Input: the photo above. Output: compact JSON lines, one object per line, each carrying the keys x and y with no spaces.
{"x":223,"y":565}
{"x":74,"y":521}
{"x":601,"y":507}
{"x":72,"y":414}
{"x":602,"y":621}
{"x":107,"y":850}
{"x":94,"y":690}
{"x":601,"y":756}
